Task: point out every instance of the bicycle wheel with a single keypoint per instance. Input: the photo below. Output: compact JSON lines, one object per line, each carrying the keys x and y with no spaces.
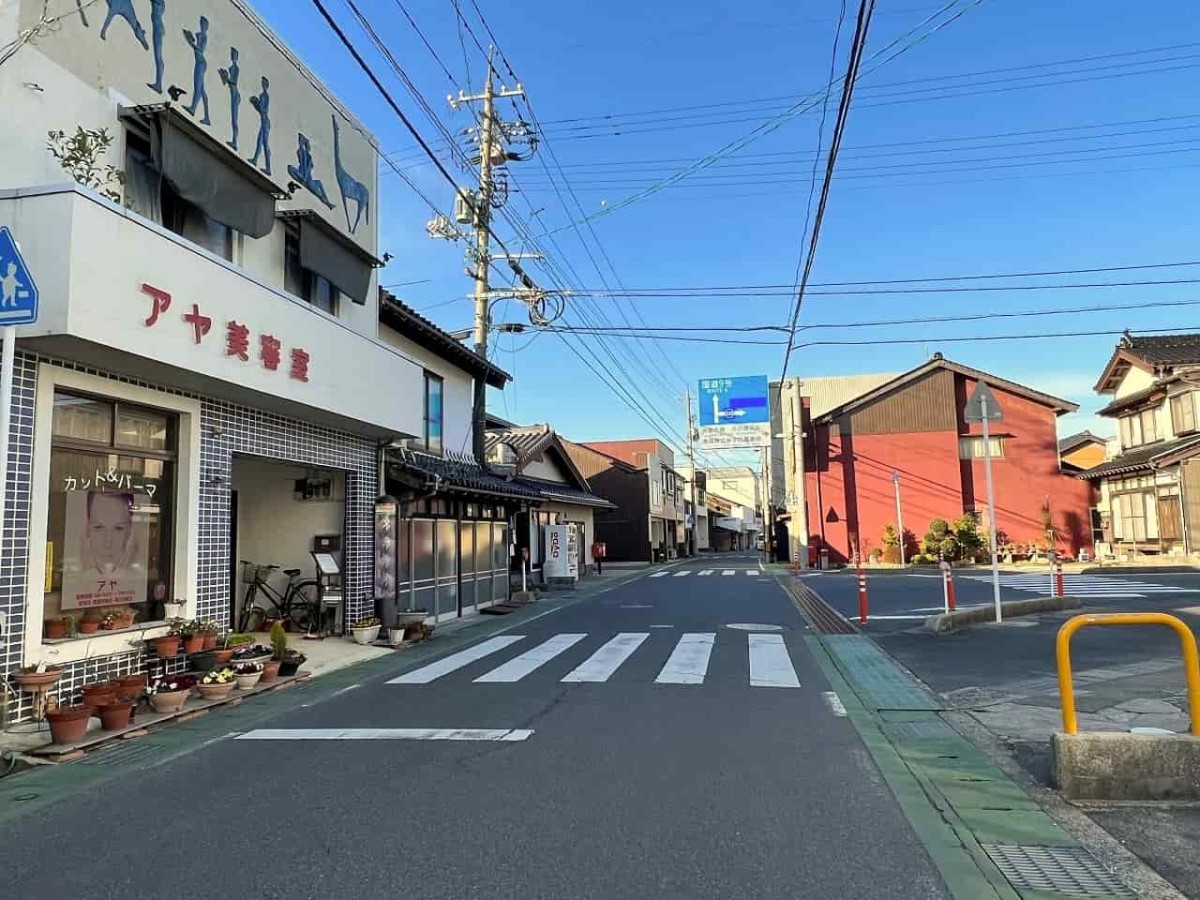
{"x":302,"y":606}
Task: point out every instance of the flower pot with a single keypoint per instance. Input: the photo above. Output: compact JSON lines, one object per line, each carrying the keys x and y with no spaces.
{"x":290,"y":667}
{"x":365,"y":635}
{"x":68,"y":724}
{"x":86,"y":627}
{"x":411,"y":617}
{"x":223,"y":656}
{"x":193,"y":643}
{"x":115,"y":716}
{"x":396,"y":635}
{"x":270,"y":671}
{"x":95,"y":695}
{"x":210,"y":640}
{"x":54,"y":630}
{"x":167,"y":647}
{"x":216,"y":691}
{"x":136,"y":682}
{"x":37,"y":681}
{"x":168,"y":701}
{"x":245,"y":682}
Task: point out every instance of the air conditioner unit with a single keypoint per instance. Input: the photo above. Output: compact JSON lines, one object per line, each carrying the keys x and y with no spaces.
{"x":464,"y":207}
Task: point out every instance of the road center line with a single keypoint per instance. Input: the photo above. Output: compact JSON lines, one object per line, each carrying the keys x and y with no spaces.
{"x":456,"y":661}
{"x":386,"y":734}
{"x":517,"y":668}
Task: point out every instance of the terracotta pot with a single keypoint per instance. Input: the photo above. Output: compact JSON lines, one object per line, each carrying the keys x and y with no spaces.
{"x":210,"y":640}
{"x":86,"y":627}
{"x":193,"y":644}
{"x":54,"y":630}
{"x":37,"y":681}
{"x":223,"y":656}
{"x":215,"y":691}
{"x":68,"y":724}
{"x":168,"y":701}
{"x":95,"y":695}
{"x":270,"y":671}
{"x":115,"y":716}
{"x":167,"y":646}
{"x":131,"y":681}
{"x":126,"y":621}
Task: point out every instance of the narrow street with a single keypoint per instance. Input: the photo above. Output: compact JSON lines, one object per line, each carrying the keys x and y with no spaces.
{"x":633,"y":744}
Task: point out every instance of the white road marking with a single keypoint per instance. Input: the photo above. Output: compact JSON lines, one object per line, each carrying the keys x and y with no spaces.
{"x":386,"y":734}
{"x":660,"y":574}
{"x":752,"y":572}
{"x":1082,"y":585}
{"x":517,"y":668}
{"x":729,"y":572}
{"x":688,"y":661}
{"x":601,"y":664}
{"x":770,"y":665}
{"x":662,"y":626}
{"x":682,"y":574}
{"x":705,"y":572}
{"x":456,"y":661}
{"x":835,"y":704}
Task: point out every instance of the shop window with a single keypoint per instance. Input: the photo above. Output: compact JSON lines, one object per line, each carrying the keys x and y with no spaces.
{"x":109,"y":539}
{"x":1183,"y":413}
{"x":305,"y":283}
{"x":151,"y":196}
{"x":433,"y":413}
{"x":972,"y":447}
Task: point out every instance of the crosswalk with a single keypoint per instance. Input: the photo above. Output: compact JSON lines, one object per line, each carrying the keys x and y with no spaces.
{"x":1081,"y":585}
{"x":704,"y":573}
{"x":768,"y":661}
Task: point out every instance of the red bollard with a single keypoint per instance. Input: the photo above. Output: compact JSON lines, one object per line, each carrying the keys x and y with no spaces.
{"x":862,"y":597}
{"x":949,"y":583}
{"x":1060,"y":587}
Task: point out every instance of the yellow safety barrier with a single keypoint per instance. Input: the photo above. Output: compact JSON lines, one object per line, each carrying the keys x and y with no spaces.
{"x":1062,"y":647}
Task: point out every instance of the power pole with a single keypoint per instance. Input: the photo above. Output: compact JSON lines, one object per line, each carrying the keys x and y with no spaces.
{"x":491,"y":150}
{"x":691,"y":451}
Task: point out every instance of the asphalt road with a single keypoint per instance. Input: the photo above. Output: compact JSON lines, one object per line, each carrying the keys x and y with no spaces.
{"x":626,"y":787}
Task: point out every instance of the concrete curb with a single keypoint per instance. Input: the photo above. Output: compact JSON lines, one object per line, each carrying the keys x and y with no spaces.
{"x":1117,"y":766}
{"x":945,"y":622}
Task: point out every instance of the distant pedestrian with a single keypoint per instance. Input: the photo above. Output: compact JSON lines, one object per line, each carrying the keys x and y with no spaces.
{"x":598,"y":552}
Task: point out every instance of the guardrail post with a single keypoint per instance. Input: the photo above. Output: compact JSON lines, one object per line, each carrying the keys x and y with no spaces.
{"x":862,"y":597}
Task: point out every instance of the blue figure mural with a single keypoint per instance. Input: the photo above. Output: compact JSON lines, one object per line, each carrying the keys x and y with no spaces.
{"x":262,"y":104}
{"x":124,"y":9}
{"x":351,"y":188}
{"x":303,"y":172}
{"x":199,"y":44}
{"x":82,"y":14}
{"x":229,"y":78}
{"x":157,"y":29}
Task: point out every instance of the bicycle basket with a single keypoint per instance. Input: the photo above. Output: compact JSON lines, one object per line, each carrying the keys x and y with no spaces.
{"x":252,"y":572}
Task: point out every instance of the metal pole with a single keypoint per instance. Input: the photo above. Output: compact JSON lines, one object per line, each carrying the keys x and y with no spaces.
{"x":9,"y":335}
{"x":800,"y":499}
{"x":694,"y":543}
{"x":899,"y":517}
{"x":483,"y":212}
{"x":991,"y":499}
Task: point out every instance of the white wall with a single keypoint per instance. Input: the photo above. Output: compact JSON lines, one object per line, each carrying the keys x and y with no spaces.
{"x":457,"y":391}
{"x":274,"y":527}
{"x":545,"y":468}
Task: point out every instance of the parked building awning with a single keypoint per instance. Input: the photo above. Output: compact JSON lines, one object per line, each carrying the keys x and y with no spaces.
{"x":329,"y":253}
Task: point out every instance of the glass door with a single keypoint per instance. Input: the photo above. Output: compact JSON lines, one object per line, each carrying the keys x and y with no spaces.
{"x":446,"y":551}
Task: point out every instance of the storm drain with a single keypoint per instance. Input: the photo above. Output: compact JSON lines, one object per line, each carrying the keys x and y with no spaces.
{"x":1072,"y":871}
{"x":925,"y":729}
{"x":122,"y":754}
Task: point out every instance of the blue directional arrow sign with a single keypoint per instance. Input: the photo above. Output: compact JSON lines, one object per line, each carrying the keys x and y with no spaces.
{"x":734,"y":401}
{"x":18,"y":292}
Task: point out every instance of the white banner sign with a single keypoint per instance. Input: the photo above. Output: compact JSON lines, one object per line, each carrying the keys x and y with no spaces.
{"x":732,"y":437}
{"x":558,"y":558}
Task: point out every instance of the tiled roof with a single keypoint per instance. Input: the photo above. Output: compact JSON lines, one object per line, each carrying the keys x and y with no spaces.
{"x":461,"y":475}
{"x":1164,"y":349}
{"x":524,"y":441}
{"x":1067,"y":444}
{"x":563,"y":493}
{"x":398,"y":315}
{"x":1132,"y":399}
{"x":1141,"y":459}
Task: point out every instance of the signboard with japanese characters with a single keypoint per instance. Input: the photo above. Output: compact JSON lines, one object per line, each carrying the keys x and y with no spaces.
{"x":557,"y":564}
{"x":734,"y":412}
{"x":106,"y":548}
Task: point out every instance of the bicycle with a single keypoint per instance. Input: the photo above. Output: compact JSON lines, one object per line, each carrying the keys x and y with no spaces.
{"x":297,"y":604}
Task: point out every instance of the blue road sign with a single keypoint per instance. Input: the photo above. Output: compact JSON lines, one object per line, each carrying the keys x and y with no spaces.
{"x":18,"y":293}
{"x":734,"y":401}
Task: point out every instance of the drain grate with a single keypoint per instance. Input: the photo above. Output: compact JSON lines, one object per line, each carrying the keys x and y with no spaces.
{"x":925,"y":729}
{"x":1072,"y":871}
{"x":121,"y":754}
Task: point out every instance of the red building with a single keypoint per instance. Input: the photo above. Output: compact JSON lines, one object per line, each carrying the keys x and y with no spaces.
{"x":912,"y":426}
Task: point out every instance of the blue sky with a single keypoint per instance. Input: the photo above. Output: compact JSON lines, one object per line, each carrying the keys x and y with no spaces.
{"x":1046,"y":160}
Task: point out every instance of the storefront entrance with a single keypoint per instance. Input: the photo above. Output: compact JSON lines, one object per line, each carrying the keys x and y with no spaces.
{"x":452,"y":567}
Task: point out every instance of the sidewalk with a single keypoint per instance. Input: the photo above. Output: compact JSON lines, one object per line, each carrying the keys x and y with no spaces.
{"x":999,"y":683}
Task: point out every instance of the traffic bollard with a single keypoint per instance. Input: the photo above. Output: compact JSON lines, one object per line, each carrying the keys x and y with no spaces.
{"x":948,"y":588}
{"x":1060,"y":588}
{"x":862,"y":597}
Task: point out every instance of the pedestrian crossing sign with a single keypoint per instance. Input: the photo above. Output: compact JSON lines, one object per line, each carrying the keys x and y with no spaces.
{"x":18,"y":292}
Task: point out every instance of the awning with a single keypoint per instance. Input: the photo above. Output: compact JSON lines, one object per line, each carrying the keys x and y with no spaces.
{"x":204,"y":173}
{"x":326,"y":251}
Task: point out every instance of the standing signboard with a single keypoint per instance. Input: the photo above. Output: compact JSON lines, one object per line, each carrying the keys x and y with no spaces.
{"x":18,"y":306}
{"x":557,"y":556}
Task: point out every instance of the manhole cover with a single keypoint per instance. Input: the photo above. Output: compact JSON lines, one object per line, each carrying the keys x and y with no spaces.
{"x":753,"y":626}
{"x":1064,"y":870}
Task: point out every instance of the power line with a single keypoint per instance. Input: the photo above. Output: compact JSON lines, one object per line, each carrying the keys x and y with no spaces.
{"x":425,"y":41}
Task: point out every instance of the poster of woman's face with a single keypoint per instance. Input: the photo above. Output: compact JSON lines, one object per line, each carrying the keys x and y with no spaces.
{"x":105,"y":549}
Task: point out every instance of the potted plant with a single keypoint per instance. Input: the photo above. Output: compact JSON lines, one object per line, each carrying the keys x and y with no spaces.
{"x":36,"y":679}
{"x":279,"y":649}
{"x":173,"y":609}
{"x":108,"y":621}
{"x":99,"y":692}
{"x":247,"y":675}
{"x":365,"y":631}
{"x":90,"y":622}
{"x":168,"y":693}
{"x":68,"y":724}
{"x":130,"y":685}
{"x":125,"y":616}
{"x":252,"y":653}
{"x":291,"y":663}
{"x":217,"y":684}
{"x":192,"y":636}
{"x":209,"y":631}
{"x":57,"y":628}
{"x":115,"y":714}
{"x":167,"y":646}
